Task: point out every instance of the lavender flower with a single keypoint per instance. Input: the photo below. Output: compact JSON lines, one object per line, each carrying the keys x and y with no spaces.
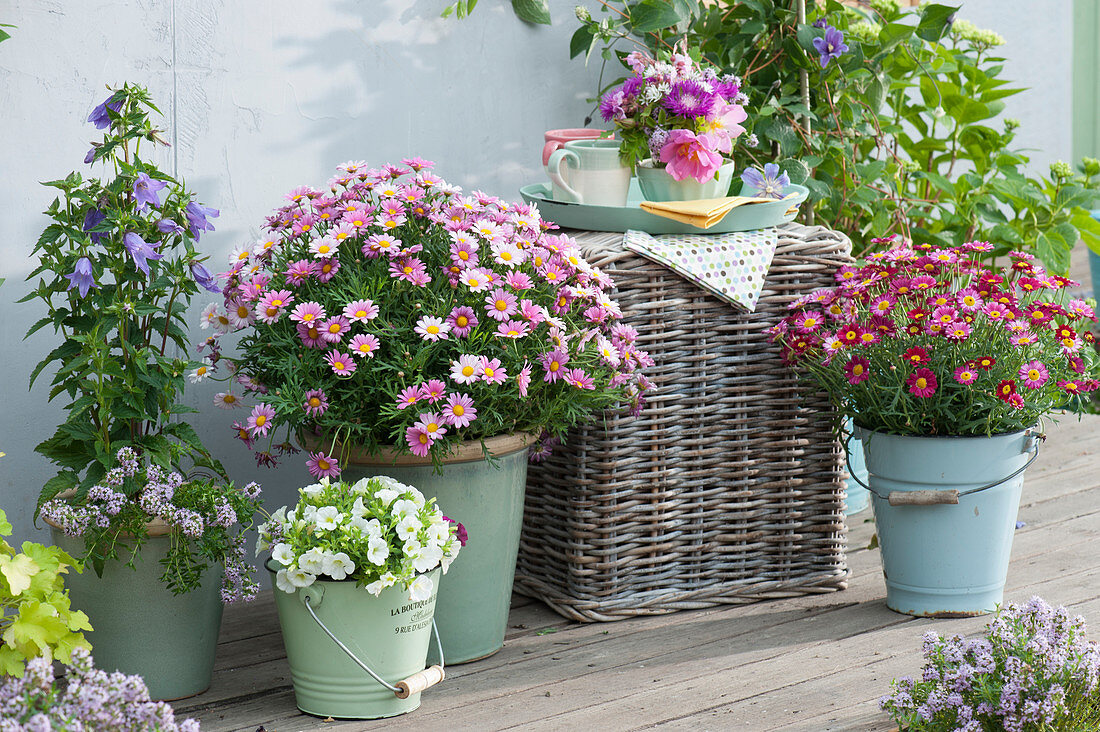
{"x":831,"y":45}
{"x":140,"y":250}
{"x":145,"y":191}
{"x":82,"y":276}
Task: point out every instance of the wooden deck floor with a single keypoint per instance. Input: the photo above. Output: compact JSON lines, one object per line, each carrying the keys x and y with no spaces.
{"x":805,"y":664}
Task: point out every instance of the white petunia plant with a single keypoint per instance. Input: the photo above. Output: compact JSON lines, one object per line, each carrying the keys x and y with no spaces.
{"x":378,"y":532}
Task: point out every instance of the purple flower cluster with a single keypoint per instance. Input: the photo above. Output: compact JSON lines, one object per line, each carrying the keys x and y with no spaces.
{"x":91,"y":700}
{"x":238,"y":584}
{"x":1020,"y":677}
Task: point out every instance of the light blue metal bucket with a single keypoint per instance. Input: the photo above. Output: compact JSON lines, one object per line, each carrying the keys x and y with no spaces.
{"x":859,"y":498}
{"x":1094,"y":263}
{"x":945,"y":511}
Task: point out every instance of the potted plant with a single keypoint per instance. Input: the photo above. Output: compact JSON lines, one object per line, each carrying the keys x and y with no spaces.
{"x":396,"y":326}
{"x":946,"y":368}
{"x":356,"y":570}
{"x":118,"y":268}
{"x":1034,"y":668}
{"x":677,"y":118}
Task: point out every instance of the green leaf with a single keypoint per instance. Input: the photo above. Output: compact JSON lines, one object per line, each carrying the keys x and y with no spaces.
{"x":583,"y":41}
{"x":1088,"y":228}
{"x":934,"y":21}
{"x":5,"y":527}
{"x":653,"y":15}
{"x":18,"y":571}
{"x":532,"y":11}
{"x":796,"y":169}
{"x":876,"y":92}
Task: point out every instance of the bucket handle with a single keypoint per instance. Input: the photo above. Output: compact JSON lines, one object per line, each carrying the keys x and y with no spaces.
{"x":406,"y":687}
{"x":948,"y":497}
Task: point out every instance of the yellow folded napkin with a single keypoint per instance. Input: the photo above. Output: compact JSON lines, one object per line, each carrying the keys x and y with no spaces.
{"x":703,"y":213}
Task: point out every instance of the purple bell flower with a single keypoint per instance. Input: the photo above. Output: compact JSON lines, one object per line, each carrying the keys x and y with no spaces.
{"x":93,"y":218}
{"x":204,"y":278}
{"x":198,"y":217}
{"x":140,"y":250}
{"x":99,"y":116}
{"x":145,"y":191}
{"x":82,"y":276}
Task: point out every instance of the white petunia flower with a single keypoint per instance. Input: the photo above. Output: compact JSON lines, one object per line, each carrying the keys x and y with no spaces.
{"x":361,"y":486}
{"x":378,"y":550}
{"x":279,"y":517}
{"x":283,"y":554}
{"x":408,"y":527}
{"x":387,"y":495}
{"x":300,"y":578}
{"x":312,"y":561}
{"x":358,"y":509}
{"x":412,"y":548}
{"x":420,"y":589}
{"x":405,"y":508}
{"x":328,"y":518}
{"x":449,"y":556}
{"x":307,"y":514}
{"x":263,"y":541}
{"x":338,"y":565}
{"x":417,"y":496}
{"x":283,"y":582}
{"x":439,"y":533}
{"x":386,"y":580}
{"x":428,"y":559}
{"x":312,"y":491}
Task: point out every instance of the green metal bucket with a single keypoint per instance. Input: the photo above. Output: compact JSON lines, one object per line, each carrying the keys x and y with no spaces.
{"x":487,"y":499}
{"x":139,"y":627}
{"x":389,"y":633}
{"x":945,"y":510}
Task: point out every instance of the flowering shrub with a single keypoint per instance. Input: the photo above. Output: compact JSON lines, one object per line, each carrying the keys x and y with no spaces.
{"x":390,"y":309}
{"x":90,"y":700}
{"x":36,"y":618}
{"x":117,"y":270}
{"x":927,"y":341}
{"x":678,"y":111}
{"x":1034,"y":670}
{"x":205,"y":518}
{"x":378,"y":532}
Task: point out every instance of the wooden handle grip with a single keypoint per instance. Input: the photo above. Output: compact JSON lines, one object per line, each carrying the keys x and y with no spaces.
{"x":420,"y":681}
{"x":923,"y":498}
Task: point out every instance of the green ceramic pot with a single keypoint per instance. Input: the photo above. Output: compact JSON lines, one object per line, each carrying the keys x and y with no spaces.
{"x":139,"y":627}
{"x":487,"y":499}
{"x":389,"y":633}
{"x":658,"y":185}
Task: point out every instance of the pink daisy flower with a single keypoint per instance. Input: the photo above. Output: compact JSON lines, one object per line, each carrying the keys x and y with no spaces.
{"x":579,"y":379}
{"x":808,"y":322}
{"x":513,"y":329}
{"x":321,"y":465}
{"x":432,"y":329}
{"x":361,"y":311}
{"x":945,"y":315}
{"x":418,"y":441}
{"x":324,"y":248}
{"x":327,"y":269}
{"x":311,"y":335}
{"x":523,"y":380}
{"x":1034,"y":374}
{"x":342,"y":364}
{"x":464,"y":250}
{"x":922,"y":383}
{"x":883,"y":304}
{"x":532,"y":313}
{"x":958,"y":331}
{"x":433,"y":390}
{"x":490,"y":371}
{"x":333,"y":329}
{"x":476,"y":279}
{"x":553,"y":274}
{"x":553,"y":364}
{"x":500,"y":304}
{"x":460,"y":410}
{"x":300,"y":271}
{"x":342,"y":232}
{"x":272,"y":304}
{"x":462,"y":320}
{"x":965,"y":374}
{"x":518,"y":280}
{"x":1023,"y":338}
{"x":356,"y":218}
{"x":858,"y":370}
{"x":364,"y":345}
{"x":466,"y":370}
{"x":239,"y":313}
{"x":379,"y":244}
{"x":411,"y":270}
{"x":308,"y":313}
{"x":260,"y":420}
{"x":432,"y":424}
{"x":316,"y":402}
{"x":998,"y":312}
{"x":409,"y":396}
{"x":508,"y":254}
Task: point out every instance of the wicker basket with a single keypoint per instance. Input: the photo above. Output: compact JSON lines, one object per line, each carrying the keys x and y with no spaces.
{"x":727,"y":488}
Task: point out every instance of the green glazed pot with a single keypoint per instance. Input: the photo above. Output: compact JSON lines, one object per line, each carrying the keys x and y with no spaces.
{"x":139,"y":627}
{"x":389,"y":633}
{"x":658,"y":185}
{"x":487,"y":499}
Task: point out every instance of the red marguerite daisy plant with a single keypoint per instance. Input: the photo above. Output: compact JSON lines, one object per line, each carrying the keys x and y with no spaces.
{"x":928,"y":341}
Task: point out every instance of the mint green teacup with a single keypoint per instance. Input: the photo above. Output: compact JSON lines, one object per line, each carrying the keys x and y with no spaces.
{"x":589,"y":172}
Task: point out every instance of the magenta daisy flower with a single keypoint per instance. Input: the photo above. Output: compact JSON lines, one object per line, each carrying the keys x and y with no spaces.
{"x":333,"y":329}
{"x":460,"y":410}
{"x":808,"y":322}
{"x":1034,"y":374}
{"x":433,"y":390}
{"x":308,"y":313}
{"x":260,"y":420}
{"x":462,"y":320}
{"x":553,"y":364}
{"x":321,"y":465}
{"x":432,"y":329}
{"x":300,"y":271}
{"x":966,"y":374}
{"x":272,"y":304}
{"x":1023,"y":338}
{"x":883,"y":304}
{"x":411,"y":270}
{"x":958,"y":331}
{"x":316,"y":402}
{"x":364,"y":345}
{"x":409,"y":396}
{"x":579,"y":378}
{"x":466,"y":370}
{"x":327,"y":269}
{"x":922,"y":383}
{"x":342,"y":364}
{"x":523,"y":380}
{"x":518,"y":281}
{"x":490,"y":371}
{"x":500,"y":304}
{"x":418,"y":441}
{"x":513,"y":329}
{"x":361,"y":311}
{"x":310,"y":335}
{"x":996,"y":311}
{"x":858,"y":370}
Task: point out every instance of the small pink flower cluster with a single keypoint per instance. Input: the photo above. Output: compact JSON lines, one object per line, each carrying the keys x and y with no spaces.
{"x":395,"y":303}
{"x":966,"y":341}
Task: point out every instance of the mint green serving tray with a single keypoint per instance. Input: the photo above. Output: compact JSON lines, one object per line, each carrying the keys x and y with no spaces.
{"x":631,"y":216}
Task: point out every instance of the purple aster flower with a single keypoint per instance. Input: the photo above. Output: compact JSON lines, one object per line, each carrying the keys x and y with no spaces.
{"x":631,"y":86}
{"x":769,"y":184}
{"x":197,"y":217}
{"x":168,"y":226}
{"x":728,"y":87}
{"x":82,"y":276}
{"x":611,"y":106}
{"x":93,"y":218}
{"x":831,"y":45}
{"x":145,"y":191}
{"x":689,"y":98}
{"x":99,"y":116}
{"x":204,"y":278}
{"x":820,"y":23}
{"x":140,"y":250}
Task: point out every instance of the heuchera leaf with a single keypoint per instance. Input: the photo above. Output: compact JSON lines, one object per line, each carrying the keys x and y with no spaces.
{"x":18,"y":570}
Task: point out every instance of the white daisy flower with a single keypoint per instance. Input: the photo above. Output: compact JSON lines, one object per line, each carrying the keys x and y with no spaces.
{"x":204,"y":369}
{"x":227,"y":400}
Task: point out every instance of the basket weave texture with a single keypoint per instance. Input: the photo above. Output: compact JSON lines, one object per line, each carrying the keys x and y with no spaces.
{"x":727,"y":489}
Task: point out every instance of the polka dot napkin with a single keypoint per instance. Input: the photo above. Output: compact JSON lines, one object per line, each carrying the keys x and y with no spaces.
{"x":732,"y":266}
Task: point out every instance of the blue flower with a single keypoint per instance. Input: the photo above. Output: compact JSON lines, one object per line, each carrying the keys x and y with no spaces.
{"x":140,"y":250}
{"x":145,"y":191}
{"x":82,"y":276}
{"x":197,"y":217}
{"x":93,"y":218}
{"x":831,"y":46}
{"x":769,"y":184}
{"x":99,"y":116}
{"x":204,"y":278}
